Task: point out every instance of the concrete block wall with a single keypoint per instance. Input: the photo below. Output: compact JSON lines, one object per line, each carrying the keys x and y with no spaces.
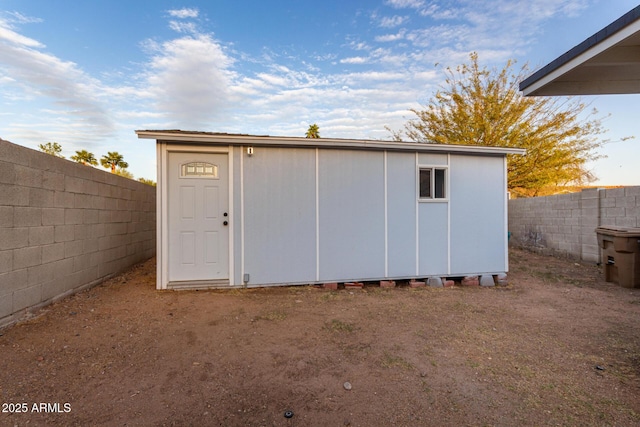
{"x":565,"y":224}
{"x":65,"y":226}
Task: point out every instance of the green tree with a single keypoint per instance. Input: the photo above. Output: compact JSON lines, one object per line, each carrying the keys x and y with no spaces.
{"x":477,"y":106}
{"x":85,"y":157}
{"x":113,"y":160}
{"x":124,"y":173}
{"x":52,"y":148}
{"x":147,"y":181}
{"x":313,"y":131}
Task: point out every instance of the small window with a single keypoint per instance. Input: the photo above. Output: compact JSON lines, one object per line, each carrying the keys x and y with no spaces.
{"x":425,"y":183}
{"x":199,"y":170}
{"x":439,"y":184}
{"x":433,"y":183}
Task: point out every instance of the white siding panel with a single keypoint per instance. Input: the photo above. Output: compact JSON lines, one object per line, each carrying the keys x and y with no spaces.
{"x":432,"y":159}
{"x":433,"y":238}
{"x":351,"y":223}
{"x":477,"y":214}
{"x":401,"y":213}
{"x":279,"y":221}
{"x":237,"y":154}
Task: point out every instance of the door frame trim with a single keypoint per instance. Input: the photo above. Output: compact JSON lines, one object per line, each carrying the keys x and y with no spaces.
{"x":162,"y":206}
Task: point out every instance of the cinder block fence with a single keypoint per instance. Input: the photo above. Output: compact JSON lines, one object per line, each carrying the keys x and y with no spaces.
{"x":565,"y":224}
{"x":64,"y":227}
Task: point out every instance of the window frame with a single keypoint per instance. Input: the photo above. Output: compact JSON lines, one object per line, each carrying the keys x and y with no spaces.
{"x":433,"y":169}
{"x":196,"y":163}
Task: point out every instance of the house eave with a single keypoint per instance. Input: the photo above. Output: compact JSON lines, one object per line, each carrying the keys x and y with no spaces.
{"x":608,"y":62}
{"x":212,"y":138}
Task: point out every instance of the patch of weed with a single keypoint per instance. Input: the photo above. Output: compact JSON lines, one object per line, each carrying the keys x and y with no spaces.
{"x":330,"y":296}
{"x":391,"y":360}
{"x":548,"y":276}
{"x":356,"y":350}
{"x":339,"y":326}
{"x":379,"y":292}
{"x":575,"y":282}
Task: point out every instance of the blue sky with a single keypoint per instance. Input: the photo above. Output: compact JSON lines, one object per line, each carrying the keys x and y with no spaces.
{"x":86,"y":74}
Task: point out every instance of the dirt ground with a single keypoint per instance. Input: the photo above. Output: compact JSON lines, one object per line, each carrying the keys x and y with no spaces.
{"x":557,"y":346}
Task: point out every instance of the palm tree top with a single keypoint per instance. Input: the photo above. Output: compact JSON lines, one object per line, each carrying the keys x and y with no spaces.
{"x":112,"y":160}
{"x":85,"y":157}
{"x":313,"y":131}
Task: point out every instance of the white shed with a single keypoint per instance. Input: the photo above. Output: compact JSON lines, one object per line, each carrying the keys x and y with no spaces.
{"x":242,"y":210}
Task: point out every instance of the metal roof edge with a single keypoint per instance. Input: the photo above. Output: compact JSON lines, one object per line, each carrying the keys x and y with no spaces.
{"x":174,"y":136}
{"x":611,"y":29}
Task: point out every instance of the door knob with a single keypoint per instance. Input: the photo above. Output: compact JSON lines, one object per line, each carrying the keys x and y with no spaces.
{"x":226,"y":223}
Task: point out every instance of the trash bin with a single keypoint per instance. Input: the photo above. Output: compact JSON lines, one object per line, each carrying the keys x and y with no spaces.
{"x":620,"y":254}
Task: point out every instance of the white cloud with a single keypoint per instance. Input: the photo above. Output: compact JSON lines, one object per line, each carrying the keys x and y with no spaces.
{"x":19,"y":18}
{"x":572,"y":8}
{"x":436,"y":11}
{"x":273,"y":80}
{"x":44,"y":76}
{"x":359,"y":45}
{"x":139,"y":114}
{"x":183,"y":27}
{"x":391,"y":37}
{"x":184,"y":13}
{"x":441,"y":35}
{"x":373,"y":76}
{"x":189,"y":80}
{"x":9,"y":36}
{"x":402,"y":4}
{"x":326,"y":57}
{"x":350,"y":105}
{"x":354,"y":60}
{"x":6,"y":80}
{"x":500,"y":29}
{"x":392,"y":21}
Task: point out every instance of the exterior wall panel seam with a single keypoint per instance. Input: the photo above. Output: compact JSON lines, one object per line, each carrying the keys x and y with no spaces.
{"x":317,"y":185}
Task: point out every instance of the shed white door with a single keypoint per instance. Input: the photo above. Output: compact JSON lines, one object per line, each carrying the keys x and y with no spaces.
{"x":198,"y":203}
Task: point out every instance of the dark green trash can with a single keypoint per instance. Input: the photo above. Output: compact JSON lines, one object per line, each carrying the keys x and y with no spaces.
{"x":620,"y":254}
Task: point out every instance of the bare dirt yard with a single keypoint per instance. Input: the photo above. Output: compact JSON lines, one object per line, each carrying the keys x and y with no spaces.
{"x":556,"y":347}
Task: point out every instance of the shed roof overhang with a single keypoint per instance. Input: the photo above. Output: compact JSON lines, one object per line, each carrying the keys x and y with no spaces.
{"x":213,"y":138}
{"x":606,"y":63}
